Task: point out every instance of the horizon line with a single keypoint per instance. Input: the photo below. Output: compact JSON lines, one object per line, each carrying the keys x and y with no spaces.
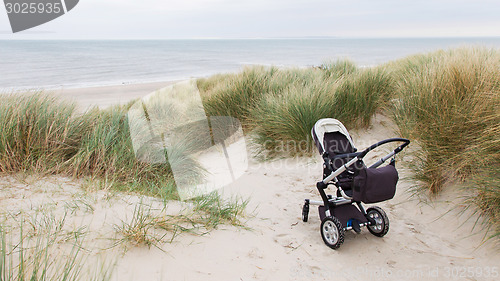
{"x":254,"y":38}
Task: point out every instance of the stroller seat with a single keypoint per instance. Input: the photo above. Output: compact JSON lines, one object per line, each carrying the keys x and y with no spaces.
{"x":333,"y":144}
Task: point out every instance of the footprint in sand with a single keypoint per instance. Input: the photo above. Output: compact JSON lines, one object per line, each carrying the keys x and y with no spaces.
{"x":391,"y":263}
{"x":412,"y":228}
{"x":286,"y":241}
{"x":255,"y":253}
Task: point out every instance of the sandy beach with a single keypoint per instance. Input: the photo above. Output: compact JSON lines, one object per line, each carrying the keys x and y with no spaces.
{"x":106,"y":96}
{"x":428,"y":240}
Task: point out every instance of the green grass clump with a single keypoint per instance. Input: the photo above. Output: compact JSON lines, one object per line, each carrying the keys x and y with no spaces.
{"x":151,"y":227}
{"x":339,"y":68}
{"x":360,"y":95}
{"x":449,"y":102}
{"x":236,"y":94}
{"x":40,"y":133}
{"x":484,"y":156}
{"x":285,"y":120}
{"x":37,"y":132}
{"x":280,"y":106}
{"x":485,"y":198}
{"x":213,"y":210}
{"x":106,"y":152}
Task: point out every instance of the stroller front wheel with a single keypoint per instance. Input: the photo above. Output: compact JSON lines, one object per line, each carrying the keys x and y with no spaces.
{"x":332,"y":232}
{"x":305,"y":211}
{"x":381,"y":226}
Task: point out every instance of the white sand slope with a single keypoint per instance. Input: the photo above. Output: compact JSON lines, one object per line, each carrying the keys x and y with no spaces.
{"x":421,"y":244}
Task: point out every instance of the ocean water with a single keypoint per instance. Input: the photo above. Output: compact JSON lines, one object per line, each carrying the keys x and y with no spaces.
{"x":52,"y":64}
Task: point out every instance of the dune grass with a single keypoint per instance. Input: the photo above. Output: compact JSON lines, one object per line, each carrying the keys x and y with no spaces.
{"x":106,"y":152}
{"x":42,"y":252}
{"x":237,"y":94}
{"x":361,"y":94}
{"x":449,"y":102}
{"x":280,"y":106}
{"x":338,"y":68}
{"x":151,"y":227}
{"x":38,"y":132}
{"x":285,"y":119}
{"x":43,"y":134}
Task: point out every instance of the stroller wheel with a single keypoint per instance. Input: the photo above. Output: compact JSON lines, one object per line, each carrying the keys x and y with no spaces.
{"x":381,"y":226}
{"x":332,"y":232}
{"x":305,"y":212}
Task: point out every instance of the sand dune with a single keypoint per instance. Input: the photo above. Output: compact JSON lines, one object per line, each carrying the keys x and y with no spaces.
{"x":426,"y":241}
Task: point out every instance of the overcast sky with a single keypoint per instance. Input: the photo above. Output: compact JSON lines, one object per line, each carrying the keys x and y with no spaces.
{"x":165,"y":19}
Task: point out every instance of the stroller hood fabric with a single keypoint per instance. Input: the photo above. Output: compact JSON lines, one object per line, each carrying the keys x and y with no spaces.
{"x":328,"y":125}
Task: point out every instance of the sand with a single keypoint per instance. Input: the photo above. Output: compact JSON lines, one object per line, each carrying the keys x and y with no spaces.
{"x":427,"y":240}
{"x":106,"y":96}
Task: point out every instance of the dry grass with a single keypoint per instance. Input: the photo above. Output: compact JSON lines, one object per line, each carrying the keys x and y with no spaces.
{"x":449,"y":102}
{"x":38,"y":249}
{"x":152,"y":227}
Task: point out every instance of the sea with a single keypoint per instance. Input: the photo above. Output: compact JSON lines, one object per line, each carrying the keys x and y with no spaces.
{"x":40,"y":64}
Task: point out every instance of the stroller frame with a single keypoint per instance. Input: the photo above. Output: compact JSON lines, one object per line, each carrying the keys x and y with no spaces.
{"x":338,"y":213}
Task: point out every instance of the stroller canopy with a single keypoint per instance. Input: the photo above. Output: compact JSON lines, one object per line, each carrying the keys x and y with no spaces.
{"x":330,"y":135}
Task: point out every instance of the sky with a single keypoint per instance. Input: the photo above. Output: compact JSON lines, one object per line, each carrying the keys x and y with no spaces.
{"x":182,"y":19}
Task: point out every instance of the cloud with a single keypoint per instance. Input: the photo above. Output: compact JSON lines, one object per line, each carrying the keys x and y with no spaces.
{"x":101,"y":19}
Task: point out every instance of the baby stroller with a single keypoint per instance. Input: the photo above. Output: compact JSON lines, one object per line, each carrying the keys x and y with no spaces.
{"x":343,"y":167}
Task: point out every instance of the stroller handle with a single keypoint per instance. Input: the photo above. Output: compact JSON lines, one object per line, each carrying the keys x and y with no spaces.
{"x":394,"y":152}
{"x":363,"y":153}
{"x":397,"y":150}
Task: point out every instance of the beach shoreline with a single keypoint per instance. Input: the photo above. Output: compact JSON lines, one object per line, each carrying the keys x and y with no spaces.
{"x":106,"y":96}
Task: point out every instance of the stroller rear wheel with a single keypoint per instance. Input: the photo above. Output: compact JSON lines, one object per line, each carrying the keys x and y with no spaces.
{"x":381,"y":226}
{"x":332,"y":232}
